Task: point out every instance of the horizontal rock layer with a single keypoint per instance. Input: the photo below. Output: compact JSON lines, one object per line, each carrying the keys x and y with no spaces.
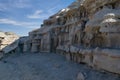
{"x":87,"y":31}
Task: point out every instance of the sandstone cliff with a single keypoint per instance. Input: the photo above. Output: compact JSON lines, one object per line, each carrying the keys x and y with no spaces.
{"x":87,"y":31}
{"x":6,"y":38}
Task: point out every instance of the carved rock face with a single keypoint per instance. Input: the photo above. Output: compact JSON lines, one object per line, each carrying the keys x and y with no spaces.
{"x":81,"y":27}
{"x":105,"y":26}
{"x":91,"y":23}
{"x":94,"y":5}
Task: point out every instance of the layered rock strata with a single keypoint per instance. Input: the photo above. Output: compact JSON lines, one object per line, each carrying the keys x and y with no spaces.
{"x":6,"y":39}
{"x":87,"y":31}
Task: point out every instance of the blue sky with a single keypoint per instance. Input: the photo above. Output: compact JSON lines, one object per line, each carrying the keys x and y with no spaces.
{"x":22,"y":16}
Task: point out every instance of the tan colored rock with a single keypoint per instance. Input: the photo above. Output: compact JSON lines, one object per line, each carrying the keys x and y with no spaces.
{"x":7,"y":38}
{"x":11,"y":47}
{"x":107,"y":59}
{"x":95,"y":5}
{"x":87,"y":31}
{"x":78,"y":30}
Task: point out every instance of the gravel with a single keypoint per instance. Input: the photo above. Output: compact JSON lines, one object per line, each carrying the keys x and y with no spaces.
{"x":47,"y":66}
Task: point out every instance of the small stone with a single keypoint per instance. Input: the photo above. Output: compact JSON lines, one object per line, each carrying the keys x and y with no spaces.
{"x":80,"y":76}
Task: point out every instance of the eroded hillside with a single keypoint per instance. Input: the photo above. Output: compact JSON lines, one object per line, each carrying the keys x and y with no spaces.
{"x":87,"y":31}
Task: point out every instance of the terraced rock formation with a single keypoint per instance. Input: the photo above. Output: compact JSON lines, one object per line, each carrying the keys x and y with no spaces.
{"x":87,"y":31}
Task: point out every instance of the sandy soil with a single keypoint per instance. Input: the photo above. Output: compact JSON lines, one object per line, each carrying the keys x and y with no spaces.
{"x":47,"y":66}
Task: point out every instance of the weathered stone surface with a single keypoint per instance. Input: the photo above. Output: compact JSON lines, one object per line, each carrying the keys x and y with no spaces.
{"x":78,"y":30}
{"x":1,"y":54}
{"x":7,"y":38}
{"x":107,"y":59}
{"x":74,"y":49}
{"x":11,"y":47}
{"x":80,"y":76}
{"x":68,"y":56}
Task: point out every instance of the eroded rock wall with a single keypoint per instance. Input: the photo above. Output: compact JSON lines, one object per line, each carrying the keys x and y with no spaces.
{"x":87,"y":31}
{"x":7,"y":39}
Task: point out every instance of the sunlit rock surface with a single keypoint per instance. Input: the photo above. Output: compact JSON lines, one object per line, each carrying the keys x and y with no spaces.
{"x":87,"y":31}
{"x":7,"y":38}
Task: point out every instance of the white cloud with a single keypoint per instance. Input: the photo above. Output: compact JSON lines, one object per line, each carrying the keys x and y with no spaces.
{"x":21,"y":3}
{"x":36,"y":15}
{"x":43,"y":14}
{"x":20,"y":24}
{"x":40,"y":14}
{"x":53,"y":9}
{"x":11,"y":4}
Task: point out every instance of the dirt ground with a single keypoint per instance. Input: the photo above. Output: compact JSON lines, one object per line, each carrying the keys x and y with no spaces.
{"x":47,"y":66}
